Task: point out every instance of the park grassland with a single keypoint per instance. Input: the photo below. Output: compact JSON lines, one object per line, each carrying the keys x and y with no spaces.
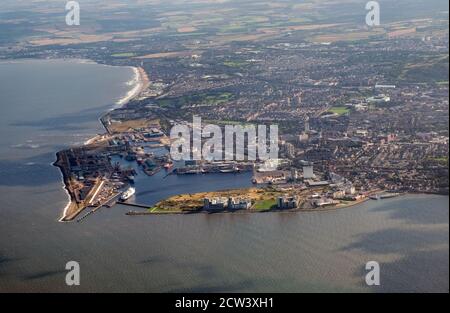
{"x":124,"y":55}
{"x":228,"y":123}
{"x":201,"y":99}
{"x":340,"y":110}
{"x":236,"y":64}
{"x":265,"y":205}
{"x":441,"y":160}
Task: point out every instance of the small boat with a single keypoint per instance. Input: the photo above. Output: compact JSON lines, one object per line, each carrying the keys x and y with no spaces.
{"x":226,"y":171}
{"x":233,"y":169}
{"x":128,"y":194}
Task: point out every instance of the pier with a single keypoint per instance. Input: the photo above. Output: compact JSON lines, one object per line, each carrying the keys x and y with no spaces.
{"x":135,"y":205}
{"x":109,"y":203}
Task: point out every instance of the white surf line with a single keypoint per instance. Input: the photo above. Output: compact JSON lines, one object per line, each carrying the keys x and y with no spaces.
{"x":69,"y":199}
{"x":138,"y":82}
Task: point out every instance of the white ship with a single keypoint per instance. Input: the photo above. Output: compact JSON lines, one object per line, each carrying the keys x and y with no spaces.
{"x":128,"y":194}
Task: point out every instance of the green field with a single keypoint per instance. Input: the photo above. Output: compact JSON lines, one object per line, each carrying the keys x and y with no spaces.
{"x":339,"y":110}
{"x":188,"y":34}
{"x":235,"y":64}
{"x":209,"y":99}
{"x":124,"y":55}
{"x":156,"y":210}
{"x":265,"y":205}
{"x":225,"y":122}
{"x":442,"y":160}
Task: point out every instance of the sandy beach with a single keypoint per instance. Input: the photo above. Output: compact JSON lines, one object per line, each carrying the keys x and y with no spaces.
{"x":140,"y":82}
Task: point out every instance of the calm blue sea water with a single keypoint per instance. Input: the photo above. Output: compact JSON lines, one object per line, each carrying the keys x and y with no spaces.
{"x":49,"y":105}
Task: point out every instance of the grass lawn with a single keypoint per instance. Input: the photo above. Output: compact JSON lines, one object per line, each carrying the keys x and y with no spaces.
{"x":225,"y":122}
{"x":265,"y":205}
{"x":200,"y":99}
{"x":157,"y":210}
{"x":339,"y":110}
{"x":442,"y":160}
{"x":235,"y":64}
{"x":124,"y":55}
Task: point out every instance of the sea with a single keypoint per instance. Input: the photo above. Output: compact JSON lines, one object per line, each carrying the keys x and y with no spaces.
{"x":48,"y":105}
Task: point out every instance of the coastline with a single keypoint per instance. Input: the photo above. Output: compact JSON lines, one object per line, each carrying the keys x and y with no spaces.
{"x":327,"y":209}
{"x":70,"y":203}
{"x":296,"y":211}
{"x":140,"y":82}
{"x":320,"y":209}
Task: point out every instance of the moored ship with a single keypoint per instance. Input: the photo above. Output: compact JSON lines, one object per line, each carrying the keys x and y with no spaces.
{"x":128,"y":194}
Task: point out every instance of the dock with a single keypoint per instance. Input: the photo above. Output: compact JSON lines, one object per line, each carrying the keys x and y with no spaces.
{"x":135,"y":205}
{"x":108,"y":203}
